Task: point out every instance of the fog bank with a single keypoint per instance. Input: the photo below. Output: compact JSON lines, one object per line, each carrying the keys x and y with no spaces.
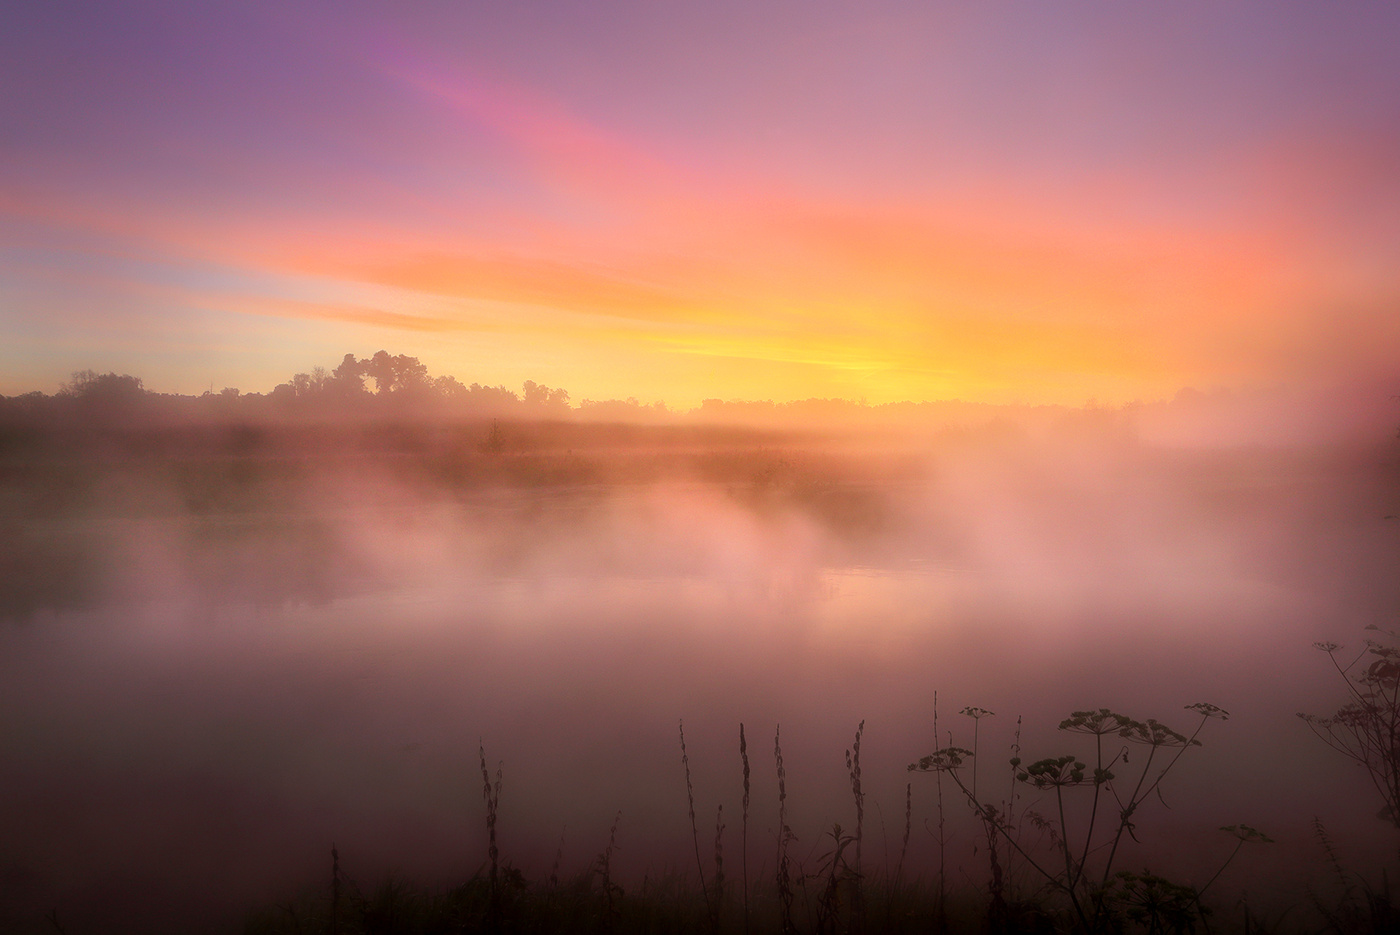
{"x":226,"y":650}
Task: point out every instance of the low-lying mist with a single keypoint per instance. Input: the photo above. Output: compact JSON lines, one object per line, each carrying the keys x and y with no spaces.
{"x":226,"y":647}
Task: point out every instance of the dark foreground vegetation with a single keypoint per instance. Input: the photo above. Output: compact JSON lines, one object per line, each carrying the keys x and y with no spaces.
{"x":1052,"y":840}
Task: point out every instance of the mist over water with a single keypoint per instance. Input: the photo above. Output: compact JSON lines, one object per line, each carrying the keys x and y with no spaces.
{"x":331,"y":563}
{"x":214,"y":666}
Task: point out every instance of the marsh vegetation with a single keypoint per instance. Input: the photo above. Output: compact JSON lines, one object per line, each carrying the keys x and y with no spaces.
{"x":422,"y":671}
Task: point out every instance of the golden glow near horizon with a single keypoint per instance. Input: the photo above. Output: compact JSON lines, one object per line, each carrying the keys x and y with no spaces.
{"x":803,"y":224}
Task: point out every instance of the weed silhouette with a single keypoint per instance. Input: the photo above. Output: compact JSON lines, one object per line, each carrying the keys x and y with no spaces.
{"x":1099,"y":899}
{"x":1367,"y":727}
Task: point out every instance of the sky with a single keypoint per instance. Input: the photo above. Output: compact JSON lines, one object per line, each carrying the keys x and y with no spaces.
{"x":1044,"y":203}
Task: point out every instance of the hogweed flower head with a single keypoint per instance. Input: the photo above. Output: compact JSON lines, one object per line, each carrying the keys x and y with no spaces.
{"x":1055,"y":771}
{"x":1100,"y":722}
{"x":1209,"y":710}
{"x":1154,"y":733}
{"x":942,"y":761}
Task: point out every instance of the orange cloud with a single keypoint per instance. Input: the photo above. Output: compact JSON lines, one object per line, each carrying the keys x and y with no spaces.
{"x":526,"y":280}
{"x":935,"y":294}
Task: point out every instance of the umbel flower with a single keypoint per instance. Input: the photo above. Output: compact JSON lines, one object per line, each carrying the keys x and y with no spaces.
{"x":1154,"y":733}
{"x":1209,"y":710}
{"x":942,"y":761}
{"x":1055,"y":772}
{"x":1100,"y":722}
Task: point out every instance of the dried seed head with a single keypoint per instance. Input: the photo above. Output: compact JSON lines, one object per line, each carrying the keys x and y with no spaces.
{"x":1209,"y":710}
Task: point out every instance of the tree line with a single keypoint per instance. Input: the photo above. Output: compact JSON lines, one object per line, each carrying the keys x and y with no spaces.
{"x":380,"y":384}
{"x":403,"y":377}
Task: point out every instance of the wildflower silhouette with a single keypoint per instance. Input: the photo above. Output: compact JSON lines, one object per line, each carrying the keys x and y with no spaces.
{"x":1367,"y":727}
{"x":1099,"y":899}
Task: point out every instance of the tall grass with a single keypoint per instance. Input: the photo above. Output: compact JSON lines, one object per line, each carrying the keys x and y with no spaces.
{"x":908,"y":826}
{"x":610,"y":889}
{"x":942,"y":832}
{"x":744,"y":860}
{"x":1083,"y":893}
{"x":719,"y":862}
{"x":853,"y":769}
{"x":492,"y":796}
{"x":694,"y":828}
{"x":785,"y":836}
{"x":335,"y":890}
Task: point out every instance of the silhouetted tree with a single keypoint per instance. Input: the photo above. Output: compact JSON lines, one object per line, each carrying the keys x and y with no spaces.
{"x":347,"y":381}
{"x":402,"y":386}
{"x":491,"y":398}
{"x":104,"y":396}
{"x":396,"y":374}
{"x":380,"y":369}
{"x":410,"y":374}
{"x":350,"y":369}
{"x":449,"y":388}
{"x":89,"y":384}
{"x":541,"y":396}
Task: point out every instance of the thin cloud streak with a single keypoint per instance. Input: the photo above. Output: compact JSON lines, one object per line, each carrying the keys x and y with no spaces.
{"x":376,"y":317}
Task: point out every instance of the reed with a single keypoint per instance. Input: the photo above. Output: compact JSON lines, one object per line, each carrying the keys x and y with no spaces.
{"x":335,"y":891}
{"x":832,"y":871}
{"x":492,"y":795}
{"x":610,"y":889}
{"x":1356,"y":905}
{"x":908,"y":826}
{"x":894,"y":884}
{"x":942,"y":833}
{"x":1009,"y":806}
{"x":719,"y":863}
{"x":853,"y":769}
{"x":744,"y":844}
{"x":785,"y":835}
{"x":694,"y":828}
{"x":558,"y":859}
